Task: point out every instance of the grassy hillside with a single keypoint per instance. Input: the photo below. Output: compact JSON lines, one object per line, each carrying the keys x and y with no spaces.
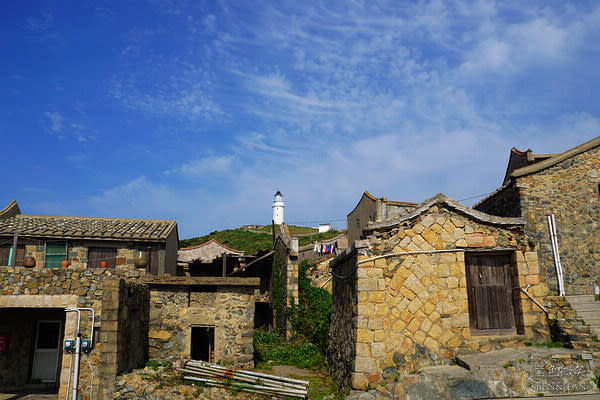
{"x":252,"y":240}
{"x":238,"y":239}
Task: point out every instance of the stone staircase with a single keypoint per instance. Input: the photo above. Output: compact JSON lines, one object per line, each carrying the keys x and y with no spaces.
{"x":588,"y":310}
{"x":574,"y":321}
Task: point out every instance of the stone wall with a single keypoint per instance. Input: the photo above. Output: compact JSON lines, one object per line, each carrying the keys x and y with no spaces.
{"x":569,"y":190}
{"x":504,"y":202}
{"x":287,"y":265}
{"x":341,"y":347}
{"x":413,"y":309}
{"x":78,"y":253}
{"x":229,"y":309}
{"x":35,"y":289}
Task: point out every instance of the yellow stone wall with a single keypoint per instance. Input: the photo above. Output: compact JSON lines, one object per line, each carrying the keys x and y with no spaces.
{"x":413,"y":308}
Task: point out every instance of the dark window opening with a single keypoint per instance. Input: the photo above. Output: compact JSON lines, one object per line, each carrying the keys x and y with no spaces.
{"x":6,"y":254}
{"x":203,"y":343}
{"x":263,"y":316}
{"x":97,"y":255}
{"x":598,"y":190}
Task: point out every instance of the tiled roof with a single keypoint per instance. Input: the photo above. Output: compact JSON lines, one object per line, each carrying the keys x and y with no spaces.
{"x":443,"y":200}
{"x":87,"y":228}
{"x":205,"y":252}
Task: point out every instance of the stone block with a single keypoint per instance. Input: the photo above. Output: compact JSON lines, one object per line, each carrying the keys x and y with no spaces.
{"x":419,"y":337}
{"x":431,"y":344}
{"x":399,"y":325}
{"x":364,"y":335}
{"x":368,"y":284}
{"x":414,"y":325}
{"x":365,"y":365}
{"x":359,"y":381}
{"x":474,"y":239}
{"x":406,"y":292}
{"x":378,"y":349}
{"x":377,"y":297}
{"x":435,"y":331}
{"x":363,"y":350}
{"x":375,"y":323}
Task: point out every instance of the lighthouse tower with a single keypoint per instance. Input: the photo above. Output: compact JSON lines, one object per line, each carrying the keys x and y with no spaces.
{"x":278,"y":208}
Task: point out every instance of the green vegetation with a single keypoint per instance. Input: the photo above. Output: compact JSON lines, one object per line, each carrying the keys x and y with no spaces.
{"x":270,"y":349}
{"x":237,"y":239}
{"x":311,"y":317}
{"x":154,"y":365}
{"x":251,"y":241}
{"x":550,"y":344}
{"x":278,"y":304}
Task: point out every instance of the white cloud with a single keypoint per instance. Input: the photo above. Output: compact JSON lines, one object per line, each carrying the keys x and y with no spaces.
{"x":205,"y":166}
{"x":54,"y":121}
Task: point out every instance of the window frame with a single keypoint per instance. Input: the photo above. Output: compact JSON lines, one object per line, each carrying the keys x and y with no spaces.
{"x":65,"y":254}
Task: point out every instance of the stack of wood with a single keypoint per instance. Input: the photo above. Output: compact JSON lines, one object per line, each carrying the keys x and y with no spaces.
{"x":246,"y":381}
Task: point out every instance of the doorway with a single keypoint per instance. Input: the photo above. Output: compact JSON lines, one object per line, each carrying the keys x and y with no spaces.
{"x":489,"y":286}
{"x":46,"y":354}
{"x":203,"y":343}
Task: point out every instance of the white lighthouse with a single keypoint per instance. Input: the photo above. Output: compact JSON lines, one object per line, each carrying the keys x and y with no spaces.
{"x":278,"y":208}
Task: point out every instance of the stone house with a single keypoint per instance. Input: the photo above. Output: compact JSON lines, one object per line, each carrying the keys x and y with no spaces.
{"x":210,"y":259}
{"x":373,"y":209}
{"x":87,"y":242}
{"x":566,"y":185}
{"x":434,"y":283}
{"x":140,"y":312}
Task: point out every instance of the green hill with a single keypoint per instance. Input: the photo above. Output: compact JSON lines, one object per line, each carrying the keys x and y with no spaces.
{"x":252,"y":239}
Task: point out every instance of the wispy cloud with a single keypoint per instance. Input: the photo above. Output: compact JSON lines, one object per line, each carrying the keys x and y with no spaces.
{"x":205,"y":167}
{"x":54,"y":122}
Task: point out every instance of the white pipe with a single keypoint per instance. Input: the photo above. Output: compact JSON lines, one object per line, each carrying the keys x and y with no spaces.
{"x":561,"y":282}
{"x":555,"y":254}
{"x":78,"y":348}
{"x":70,"y":373}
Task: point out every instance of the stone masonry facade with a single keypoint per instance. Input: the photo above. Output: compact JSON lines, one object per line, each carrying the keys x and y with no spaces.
{"x":227,"y":309}
{"x":135,"y":317}
{"x":569,"y":190}
{"x":78,"y":254}
{"x":31,"y":291}
{"x":413,"y":309}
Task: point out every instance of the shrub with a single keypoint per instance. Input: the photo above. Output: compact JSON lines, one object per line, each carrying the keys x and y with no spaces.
{"x":311,"y":316}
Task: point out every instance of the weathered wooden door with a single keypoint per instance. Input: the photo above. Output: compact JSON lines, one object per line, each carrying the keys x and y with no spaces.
{"x":489,"y":286}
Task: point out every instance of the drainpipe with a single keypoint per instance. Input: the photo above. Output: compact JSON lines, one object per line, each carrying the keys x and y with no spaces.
{"x":556,"y":255}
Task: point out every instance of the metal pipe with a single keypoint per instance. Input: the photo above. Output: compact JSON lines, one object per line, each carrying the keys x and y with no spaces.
{"x":555,"y":254}
{"x":78,"y":347}
{"x":561,"y":282}
{"x":531,"y":298}
{"x":403,"y":253}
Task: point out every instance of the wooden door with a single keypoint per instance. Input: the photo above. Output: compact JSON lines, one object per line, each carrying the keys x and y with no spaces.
{"x":489,"y":286}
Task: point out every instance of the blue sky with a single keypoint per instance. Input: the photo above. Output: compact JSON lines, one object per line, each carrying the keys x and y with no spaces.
{"x":199,"y":111}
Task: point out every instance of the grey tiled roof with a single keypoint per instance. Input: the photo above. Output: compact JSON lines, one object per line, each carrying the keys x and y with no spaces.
{"x":87,"y":228}
{"x":205,"y":252}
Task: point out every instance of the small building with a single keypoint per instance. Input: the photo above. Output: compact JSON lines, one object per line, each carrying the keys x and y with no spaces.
{"x":421,"y":288}
{"x":210,"y":259}
{"x":87,"y":242}
{"x":373,"y":209}
{"x":325,"y":228}
{"x":566,"y":185}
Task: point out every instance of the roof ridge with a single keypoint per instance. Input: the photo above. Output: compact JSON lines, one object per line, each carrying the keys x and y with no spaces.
{"x":441,"y":198}
{"x":572,"y":152}
{"x":90,"y":218}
